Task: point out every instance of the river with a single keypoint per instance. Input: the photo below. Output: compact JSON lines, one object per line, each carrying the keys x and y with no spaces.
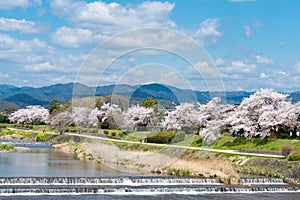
{"x":47,"y":162}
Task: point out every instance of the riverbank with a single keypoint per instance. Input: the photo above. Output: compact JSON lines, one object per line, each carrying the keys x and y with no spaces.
{"x":138,"y":157}
{"x":159,"y":162}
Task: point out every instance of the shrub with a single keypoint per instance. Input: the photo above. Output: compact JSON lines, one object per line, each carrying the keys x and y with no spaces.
{"x":286,"y":150}
{"x":105,"y":132}
{"x":113,"y":134}
{"x":161,"y":137}
{"x":6,"y":147}
{"x":179,"y":172}
{"x":3,"y":126}
{"x":186,"y":172}
{"x":294,"y":156}
{"x":41,"y":137}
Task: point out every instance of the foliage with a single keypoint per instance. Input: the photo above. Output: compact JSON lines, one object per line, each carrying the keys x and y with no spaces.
{"x":264,"y":113}
{"x":179,"y":172}
{"x":161,"y":137}
{"x":6,"y":147}
{"x":85,"y":116}
{"x":30,"y":115}
{"x":184,"y":115}
{"x":54,"y":106}
{"x":270,"y":144}
{"x":295,"y":156}
{"x":61,"y":119}
{"x":4,"y":118}
{"x":137,"y":116}
{"x":149,"y":102}
{"x":110,"y":116}
{"x":41,"y":137}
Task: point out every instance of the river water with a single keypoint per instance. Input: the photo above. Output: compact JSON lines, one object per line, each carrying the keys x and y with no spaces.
{"x":47,"y":162}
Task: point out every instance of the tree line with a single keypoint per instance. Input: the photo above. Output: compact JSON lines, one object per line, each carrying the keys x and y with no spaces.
{"x":263,"y":114}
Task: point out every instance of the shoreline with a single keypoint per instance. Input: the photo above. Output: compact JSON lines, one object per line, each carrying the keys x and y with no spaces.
{"x":138,"y":158}
{"x":151,"y":162}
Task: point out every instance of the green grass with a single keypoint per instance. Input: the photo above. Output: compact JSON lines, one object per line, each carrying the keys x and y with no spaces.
{"x":269,"y":144}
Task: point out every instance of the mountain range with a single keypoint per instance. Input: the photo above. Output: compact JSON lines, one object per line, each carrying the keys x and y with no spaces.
{"x":167,"y":95}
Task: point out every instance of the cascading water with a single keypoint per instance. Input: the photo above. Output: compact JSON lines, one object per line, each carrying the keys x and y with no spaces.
{"x":26,"y":143}
{"x":135,"y":185}
{"x":261,"y":181}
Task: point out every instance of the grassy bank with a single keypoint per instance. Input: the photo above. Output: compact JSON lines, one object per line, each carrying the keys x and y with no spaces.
{"x":157,"y":158}
{"x":267,"y":144}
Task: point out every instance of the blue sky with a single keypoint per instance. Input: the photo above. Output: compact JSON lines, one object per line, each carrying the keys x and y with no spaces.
{"x":254,"y":43}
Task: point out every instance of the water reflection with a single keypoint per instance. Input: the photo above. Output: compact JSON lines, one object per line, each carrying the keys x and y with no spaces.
{"x":49,"y":162}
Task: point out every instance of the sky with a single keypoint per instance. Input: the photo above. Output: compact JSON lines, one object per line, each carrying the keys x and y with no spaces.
{"x":242,"y":44}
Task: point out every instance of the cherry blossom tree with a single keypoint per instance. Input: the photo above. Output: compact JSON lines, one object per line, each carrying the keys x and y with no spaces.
{"x":30,"y":115}
{"x":185,"y":115}
{"x":212,"y":119}
{"x":263,"y":113}
{"x":110,"y":115}
{"x":62,"y":120}
{"x":85,"y":117}
{"x":137,"y":116}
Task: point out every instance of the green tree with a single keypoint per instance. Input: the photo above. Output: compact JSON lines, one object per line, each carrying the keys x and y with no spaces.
{"x":54,"y":106}
{"x":149,"y":102}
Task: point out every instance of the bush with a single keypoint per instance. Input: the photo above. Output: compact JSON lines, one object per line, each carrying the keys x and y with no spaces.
{"x":179,"y":172}
{"x":41,"y":137}
{"x":161,"y":137}
{"x":3,"y":126}
{"x":113,"y":134}
{"x":6,"y":147}
{"x":294,"y":156}
{"x":105,"y":132}
{"x":286,"y":150}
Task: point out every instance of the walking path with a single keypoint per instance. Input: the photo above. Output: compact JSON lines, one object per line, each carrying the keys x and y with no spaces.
{"x":234,"y":152}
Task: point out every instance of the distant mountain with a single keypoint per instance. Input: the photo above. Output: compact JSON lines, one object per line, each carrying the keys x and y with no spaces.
{"x":24,"y":99}
{"x":295,"y":96}
{"x":167,"y":95}
{"x":7,"y":106}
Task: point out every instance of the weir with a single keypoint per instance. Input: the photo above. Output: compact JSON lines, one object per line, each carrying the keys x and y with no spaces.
{"x":261,"y":181}
{"x":26,"y":143}
{"x":136,"y":185}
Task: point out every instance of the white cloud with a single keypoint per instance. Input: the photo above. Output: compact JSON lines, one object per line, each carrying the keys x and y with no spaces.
{"x":110,"y":18}
{"x":6,"y":5}
{"x":248,"y":31}
{"x":4,"y":75}
{"x":45,"y":66}
{"x":10,"y":4}
{"x":34,"y":60}
{"x":208,"y":29}
{"x":263,"y":75}
{"x":263,"y":60}
{"x":75,"y":37}
{"x":23,"y":26}
{"x":220,"y":61}
{"x":239,"y":67}
{"x":282,"y":73}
